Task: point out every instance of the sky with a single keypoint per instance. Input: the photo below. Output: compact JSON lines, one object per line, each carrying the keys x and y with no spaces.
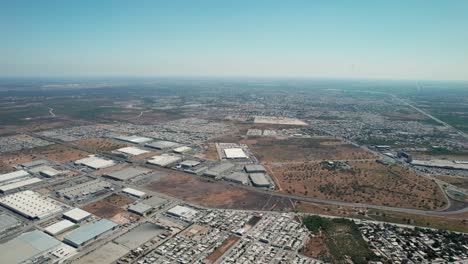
{"x":371,"y":39}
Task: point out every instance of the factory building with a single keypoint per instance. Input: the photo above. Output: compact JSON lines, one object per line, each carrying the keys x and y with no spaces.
{"x":89,"y":232}
{"x":95,"y":163}
{"x":234,"y":153}
{"x":45,"y":171}
{"x":35,"y":163}
{"x":134,"y":139}
{"x":133,"y":192}
{"x":132,"y":151}
{"x":189,"y":163}
{"x":13,"y":175}
{"x":8,"y":222}
{"x":27,"y":247}
{"x":140,"y":208}
{"x":254,"y":168}
{"x":127,"y":173}
{"x":163,"y":160}
{"x":59,"y":227}
{"x":181,"y":150}
{"x":14,"y":185}
{"x":30,"y":204}
{"x":237,"y":177}
{"x":182,"y":212}
{"x":219,"y":169}
{"x":76,"y":215}
{"x":259,"y":180}
{"x":162,"y":144}
{"x":84,"y":189}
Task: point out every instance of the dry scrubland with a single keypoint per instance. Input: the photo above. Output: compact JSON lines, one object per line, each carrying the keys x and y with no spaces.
{"x":98,"y":145}
{"x":366,"y":182}
{"x":111,"y":208}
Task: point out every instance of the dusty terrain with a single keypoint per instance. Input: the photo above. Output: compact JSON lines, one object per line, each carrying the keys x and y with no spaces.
{"x":225,"y":246}
{"x":111,"y":208}
{"x":216,"y":194}
{"x":98,"y":145}
{"x":365,"y":182}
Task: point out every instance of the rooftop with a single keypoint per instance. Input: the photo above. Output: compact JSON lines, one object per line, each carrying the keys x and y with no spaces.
{"x":88,"y":232}
{"x":128,"y":173}
{"x":134,"y":151}
{"x":95,"y":162}
{"x":76,"y":214}
{"x":235,"y":153}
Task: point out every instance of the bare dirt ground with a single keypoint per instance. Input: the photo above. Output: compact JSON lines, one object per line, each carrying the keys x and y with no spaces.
{"x":315,"y":248}
{"x":62,"y":153}
{"x":211,"y":153}
{"x":225,"y":246}
{"x":98,"y":145}
{"x":268,"y":149}
{"x":461,"y":182}
{"x":366,"y":182}
{"x":110,"y":207}
{"x":216,"y":194}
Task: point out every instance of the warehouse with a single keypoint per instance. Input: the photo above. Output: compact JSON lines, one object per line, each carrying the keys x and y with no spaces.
{"x":59,"y":227}
{"x":189,"y":163}
{"x":30,"y":204}
{"x":140,"y":208}
{"x":163,"y":160}
{"x":86,"y":233}
{"x":127,"y":173}
{"x":27,"y":246}
{"x":84,"y":189}
{"x":13,"y":185}
{"x":234,"y":153}
{"x":94,"y":162}
{"x":133,"y":192}
{"x":237,"y":177}
{"x":134,"y":139}
{"x":8,"y":222}
{"x":35,"y":163}
{"x":132,"y":151}
{"x":45,"y":171}
{"x":254,"y":168}
{"x":183,"y":149}
{"x":76,"y":215}
{"x":219,"y":169}
{"x":182,"y":212}
{"x":259,"y":180}
{"x":162,"y":144}
{"x":13,"y":175}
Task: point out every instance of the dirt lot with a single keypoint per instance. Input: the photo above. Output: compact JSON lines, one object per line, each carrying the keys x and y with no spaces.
{"x":98,"y":145}
{"x":268,"y":149}
{"x":225,"y":246}
{"x":211,"y":153}
{"x":365,"y":182}
{"x":216,"y":194}
{"x":457,"y":181}
{"x":110,"y":207}
{"x":315,"y":248}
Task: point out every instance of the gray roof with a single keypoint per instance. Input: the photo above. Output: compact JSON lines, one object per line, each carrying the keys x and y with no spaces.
{"x":27,"y":246}
{"x":259,"y":179}
{"x":162,"y":144}
{"x":238,"y":177}
{"x":87,"y":232}
{"x":127,"y":173}
{"x":7,"y":222}
{"x":254,"y":168}
{"x":222,"y":167}
{"x":140,"y":208}
{"x":35,"y":163}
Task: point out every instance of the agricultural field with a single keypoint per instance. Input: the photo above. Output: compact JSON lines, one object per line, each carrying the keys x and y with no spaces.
{"x":364,"y":182}
{"x":338,"y":240}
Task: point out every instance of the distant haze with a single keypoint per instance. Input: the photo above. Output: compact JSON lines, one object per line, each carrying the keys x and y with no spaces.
{"x":399,"y":39}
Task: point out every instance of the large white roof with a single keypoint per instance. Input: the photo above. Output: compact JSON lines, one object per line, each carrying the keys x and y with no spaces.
{"x":95,"y":162}
{"x":182,"y":212}
{"x":163,"y":160}
{"x":132,"y":151}
{"x":235,"y":153}
{"x":30,"y":204}
{"x":13,"y":175}
{"x":19,"y":183}
{"x":59,"y":227}
{"x":76,"y":214}
{"x":133,"y":192}
{"x":135,"y":139}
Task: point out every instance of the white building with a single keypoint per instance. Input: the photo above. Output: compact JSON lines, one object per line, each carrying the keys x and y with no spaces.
{"x":30,"y":204}
{"x":95,"y":162}
{"x":164,"y":160}
{"x":132,"y":151}
{"x":133,"y":192}
{"x":182,"y":212}
{"x":76,"y":215}
{"x":234,"y":153}
{"x":59,"y":227}
{"x":13,"y":175}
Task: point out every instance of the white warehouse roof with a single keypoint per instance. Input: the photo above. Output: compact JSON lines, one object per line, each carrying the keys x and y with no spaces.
{"x":133,"y":192}
{"x":134,"y":151}
{"x":235,"y":153}
{"x":163,"y":160}
{"x":76,"y":214}
{"x":182,"y":149}
{"x":59,"y":227}
{"x":135,"y":139}
{"x":30,"y":204}
{"x":18,"y":184}
{"x":182,"y":212}
{"x":95,"y":162}
{"x":13,"y":175}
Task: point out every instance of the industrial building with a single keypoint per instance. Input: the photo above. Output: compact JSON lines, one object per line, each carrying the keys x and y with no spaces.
{"x":134,"y":139}
{"x":133,"y":192}
{"x":76,"y":215}
{"x":254,"y":168}
{"x":35,"y":163}
{"x":132,"y":151}
{"x":259,"y":180}
{"x":182,"y":212}
{"x":189,"y":163}
{"x":30,"y":204}
{"x":84,"y":189}
{"x":13,"y":175}
{"x":237,"y":177}
{"x":27,"y":247}
{"x":234,"y":153}
{"x":162,"y":144}
{"x":86,"y":233}
{"x":219,"y":169}
{"x":181,"y":150}
{"x":13,"y":185}
{"x":59,"y":227}
{"x":8,"y":222}
{"x":127,"y":173}
{"x":95,"y":163}
{"x":140,"y":208}
{"x":164,"y":160}
{"x":45,"y":171}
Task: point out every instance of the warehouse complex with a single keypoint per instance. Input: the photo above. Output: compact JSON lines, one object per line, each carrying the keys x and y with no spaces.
{"x":127,"y":173}
{"x":30,"y":204}
{"x":76,"y":215}
{"x":59,"y":227}
{"x":84,"y":189}
{"x":88,"y":232}
{"x":164,"y":160}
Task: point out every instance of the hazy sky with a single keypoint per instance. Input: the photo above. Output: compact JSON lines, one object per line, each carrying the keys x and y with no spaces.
{"x":397,"y":39}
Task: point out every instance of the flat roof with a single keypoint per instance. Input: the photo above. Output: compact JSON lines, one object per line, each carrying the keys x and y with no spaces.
{"x":182,"y":212}
{"x":13,"y":175}
{"x":259,"y":179}
{"x":30,"y":204}
{"x":238,"y":177}
{"x":235,"y":153}
{"x":88,"y":232}
{"x":84,"y":189}
{"x":447,"y":164}
{"x":134,"y":139}
{"x":140,"y":208}
{"x":134,"y":151}
{"x":218,"y":169}
{"x":128,"y":173}
{"x":182,"y":149}
{"x":162,"y":144}
{"x":189,"y":163}
{"x":95,"y":162}
{"x":163,"y":160}
{"x":133,"y":192}
{"x":59,"y":227}
{"x":35,"y":163}
{"x":27,"y":246}
{"x":8,"y":221}
{"x":18,"y":184}
{"x":76,"y":214}
{"x":254,"y":168}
